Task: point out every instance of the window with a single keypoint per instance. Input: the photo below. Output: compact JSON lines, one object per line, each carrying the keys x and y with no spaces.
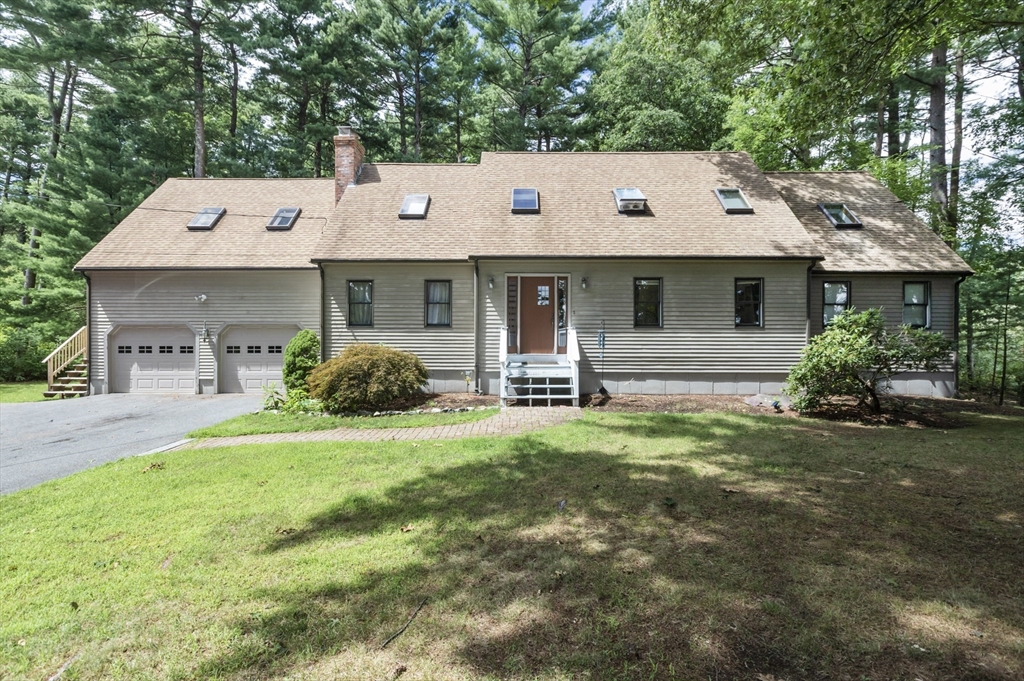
{"x":284,"y":219}
{"x":254,"y":349}
{"x":629,"y":200}
{"x":234,"y":349}
{"x":733,"y":201}
{"x":839,"y":215}
{"x":916,"y":304}
{"x":124,"y":349}
{"x":836,"y":300}
{"x":646,"y":302}
{"x":187,"y":349}
{"x":360,"y":303}
{"x":437,"y":300}
{"x":748,"y":302}
{"x":166,"y":349}
{"x":525,"y":201}
{"x":206,"y":218}
{"x":145,"y":349}
{"x":274,"y":349}
{"x":415,"y":206}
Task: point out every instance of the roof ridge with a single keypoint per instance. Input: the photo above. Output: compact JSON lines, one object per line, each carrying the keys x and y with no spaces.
{"x":596,"y":153}
{"x":815,"y":172}
{"x":423,"y":163}
{"x":246,"y":179}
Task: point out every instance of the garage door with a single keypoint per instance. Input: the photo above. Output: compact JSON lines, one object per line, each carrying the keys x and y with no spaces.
{"x":251,"y":357}
{"x":156,"y":359}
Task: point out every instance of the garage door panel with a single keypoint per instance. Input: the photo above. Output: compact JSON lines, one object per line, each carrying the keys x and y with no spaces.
{"x":253,"y":357}
{"x":136,"y":368}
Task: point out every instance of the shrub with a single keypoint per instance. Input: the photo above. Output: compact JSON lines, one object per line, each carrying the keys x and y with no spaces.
{"x":858,"y":356}
{"x":366,"y":376}
{"x":22,"y":352}
{"x":301,"y":355}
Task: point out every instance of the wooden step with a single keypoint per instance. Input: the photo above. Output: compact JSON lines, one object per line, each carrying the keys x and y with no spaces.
{"x":64,"y":393}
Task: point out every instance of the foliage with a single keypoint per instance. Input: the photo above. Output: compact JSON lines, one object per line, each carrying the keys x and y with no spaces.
{"x":300,"y":356}
{"x":22,"y":352}
{"x":857,"y":356}
{"x":272,"y":397}
{"x":366,"y":376}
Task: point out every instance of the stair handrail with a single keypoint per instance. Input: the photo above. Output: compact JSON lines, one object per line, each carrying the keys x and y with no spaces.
{"x":572,"y":352}
{"x":502,"y":361}
{"x":67,"y":352}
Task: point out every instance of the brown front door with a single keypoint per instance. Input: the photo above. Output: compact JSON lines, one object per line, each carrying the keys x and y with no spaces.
{"x":537,"y":312}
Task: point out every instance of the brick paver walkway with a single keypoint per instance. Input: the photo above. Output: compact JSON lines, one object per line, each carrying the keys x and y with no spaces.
{"x":507,"y":422}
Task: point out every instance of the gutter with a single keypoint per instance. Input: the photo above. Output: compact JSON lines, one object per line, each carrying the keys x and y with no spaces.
{"x":807,"y":330}
{"x":323,"y":287}
{"x":88,"y":332}
{"x":476,"y":326}
{"x":956,"y":334}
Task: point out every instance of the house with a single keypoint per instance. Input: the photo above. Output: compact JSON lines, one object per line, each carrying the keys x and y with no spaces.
{"x":527,"y":275}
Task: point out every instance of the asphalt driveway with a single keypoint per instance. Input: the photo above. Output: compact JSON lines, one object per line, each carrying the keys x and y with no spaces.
{"x":42,"y":441}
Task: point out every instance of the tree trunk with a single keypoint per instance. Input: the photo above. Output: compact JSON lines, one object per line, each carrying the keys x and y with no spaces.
{"x":1006,"y":320}
{"x":937,"y":141}
{"x":198,"y":90}
{"x":970,"y":345}
{"x":318,"y":155}
{"x":71,"y":101}
{"x":892,"y":125}
{"x":400,"y":88}
{"x":958,"y":144}
{"x":458,"y":129}
{"x":880,"y":127}
{"x":233,"y":122}
{"x":995,"y":362}
{"x":417,"y":122}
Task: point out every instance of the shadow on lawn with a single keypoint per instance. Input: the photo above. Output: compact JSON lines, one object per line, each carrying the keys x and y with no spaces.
{"x":770,"y":561}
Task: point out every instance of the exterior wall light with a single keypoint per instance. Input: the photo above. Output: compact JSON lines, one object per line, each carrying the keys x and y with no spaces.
{"x":490,"y":282}
{"x":201,"y":297}
{"x":584,"y":282}
{"x":206,"y":332}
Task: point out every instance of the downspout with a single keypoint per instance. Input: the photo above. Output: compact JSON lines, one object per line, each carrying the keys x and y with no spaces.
{"x":323,"y":288}
{"x":476,"y":329}
{"x":88,"y":332}
{"x":807,"y":323}
{"x":956,"y":334}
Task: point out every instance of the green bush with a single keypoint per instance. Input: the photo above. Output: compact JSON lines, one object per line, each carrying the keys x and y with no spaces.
{"x":22,"y":352}
{"x":300,"y":357}
{"x":857,"y":356}
{"x":366,"y":376}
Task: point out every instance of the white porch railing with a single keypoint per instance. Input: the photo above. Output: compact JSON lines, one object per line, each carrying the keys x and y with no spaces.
{"x":572,"y":353}
{"x":502,"y":362}
{"x":66,"y":353}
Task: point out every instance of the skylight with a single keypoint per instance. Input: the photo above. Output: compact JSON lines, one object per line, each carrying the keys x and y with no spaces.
{"x":284,"y":218}
{"x":415,"y":206}
{"x":525,"y":200}
{"x":630,"y":200}
{"x":206,"y":218}
{"x":733,"y":200}
{"x":839,"y":215}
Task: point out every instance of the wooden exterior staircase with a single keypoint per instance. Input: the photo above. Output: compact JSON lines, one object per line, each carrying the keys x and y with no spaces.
{"x":67,"y":367}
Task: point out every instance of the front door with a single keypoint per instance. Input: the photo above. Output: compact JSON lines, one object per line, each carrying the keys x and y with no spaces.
{"x":537,"y":309}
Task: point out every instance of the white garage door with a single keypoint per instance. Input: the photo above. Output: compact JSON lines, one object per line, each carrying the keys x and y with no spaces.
{"x":157,"y":359}
{"x":251,"y":357}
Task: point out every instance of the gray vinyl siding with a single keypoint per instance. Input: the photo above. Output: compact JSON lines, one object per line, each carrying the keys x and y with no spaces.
{"x":699,"y":333}
{"x":167,"y":298}
{"x":885,"y":291}
{"x":398,"y":315}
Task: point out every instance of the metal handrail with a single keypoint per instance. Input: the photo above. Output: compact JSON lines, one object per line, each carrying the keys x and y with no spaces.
{"x":66,"y":353}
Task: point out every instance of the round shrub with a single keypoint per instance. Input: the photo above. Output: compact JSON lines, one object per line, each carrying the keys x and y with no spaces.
{"x":300,"y":357}
{"x":366,"y":376}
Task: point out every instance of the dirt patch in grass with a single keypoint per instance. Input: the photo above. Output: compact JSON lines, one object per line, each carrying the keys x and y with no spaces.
{"x":446,"y":401}
{"x":674,"y":404}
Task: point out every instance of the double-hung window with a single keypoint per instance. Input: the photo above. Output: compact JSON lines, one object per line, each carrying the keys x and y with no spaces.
{"x":749,"y":302}
{"x":437,"y":303}
{"x":647,"y":302}
{"x":917,"y":304}
{"x":360,"y":303}
{"x":837,"y":299}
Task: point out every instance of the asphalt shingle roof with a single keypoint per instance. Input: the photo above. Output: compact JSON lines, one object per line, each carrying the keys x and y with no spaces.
{"x":154,"y":235}
{"x":470,"y":212}
{"x":893,"y":238}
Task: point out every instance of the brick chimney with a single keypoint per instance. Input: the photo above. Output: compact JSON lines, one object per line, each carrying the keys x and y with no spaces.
{"x":348,"y":159}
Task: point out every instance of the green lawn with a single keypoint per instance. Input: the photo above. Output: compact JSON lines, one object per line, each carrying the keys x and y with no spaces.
{"x":690,"y":546}
{"x":269,"y":422}
{"x":31,"y":391}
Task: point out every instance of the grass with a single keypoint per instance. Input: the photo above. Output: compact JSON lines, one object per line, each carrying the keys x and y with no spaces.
{"x":269,"y":422}
{"x":31,"y":391}
{"x":690,"y":546}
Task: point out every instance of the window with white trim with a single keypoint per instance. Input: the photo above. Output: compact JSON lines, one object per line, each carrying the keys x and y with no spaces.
{"x":917,"y":304}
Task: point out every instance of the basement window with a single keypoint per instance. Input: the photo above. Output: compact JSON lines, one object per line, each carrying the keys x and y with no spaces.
{"x":733,"y":200}
{"x":284,"y":219}
{"x":206,"y":218}
{"x":525,"y":200}
{"x":839,"y":215}
{"x":415,"y":206}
